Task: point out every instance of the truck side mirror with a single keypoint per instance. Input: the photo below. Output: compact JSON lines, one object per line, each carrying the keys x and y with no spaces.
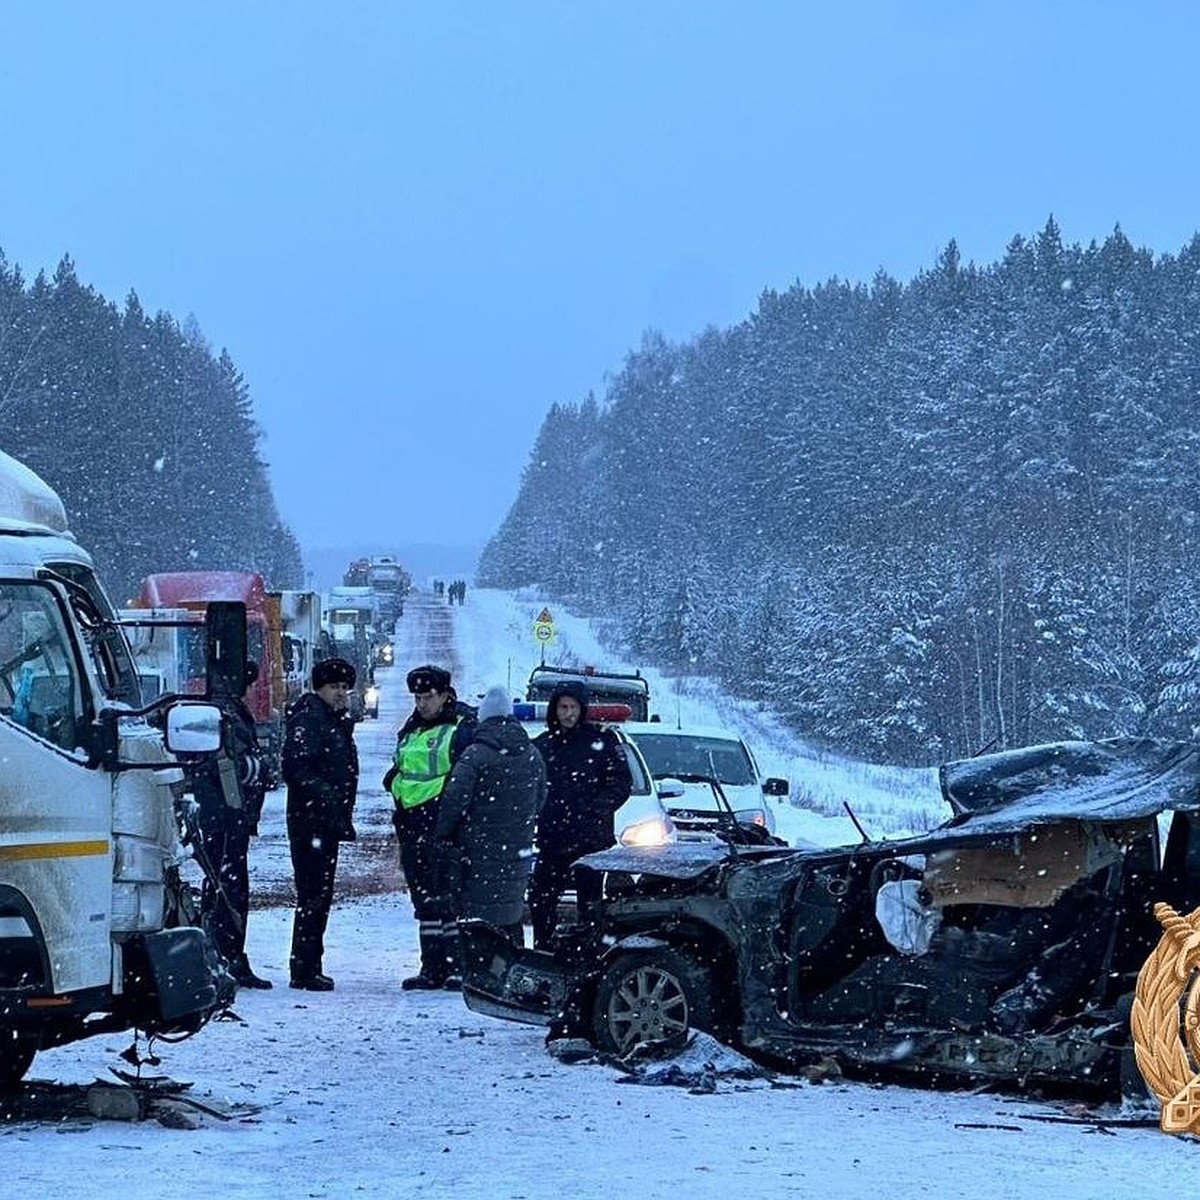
{"x":193,"y":728}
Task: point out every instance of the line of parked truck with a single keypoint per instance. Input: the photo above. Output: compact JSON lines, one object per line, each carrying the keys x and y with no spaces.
{"x":288,"y":631}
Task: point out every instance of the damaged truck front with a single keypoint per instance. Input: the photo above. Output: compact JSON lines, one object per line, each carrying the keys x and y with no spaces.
{"x":92,"y":933}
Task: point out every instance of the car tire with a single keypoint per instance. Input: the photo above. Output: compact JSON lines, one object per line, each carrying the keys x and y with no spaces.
{"x":16,"y":1057}
{"x":649,"y":997}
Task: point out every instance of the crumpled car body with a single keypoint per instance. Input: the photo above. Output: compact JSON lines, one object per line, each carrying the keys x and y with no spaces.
{"x":1002,"y":947}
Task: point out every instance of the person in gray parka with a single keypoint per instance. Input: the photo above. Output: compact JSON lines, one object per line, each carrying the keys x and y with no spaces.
{"x":489,"y":807}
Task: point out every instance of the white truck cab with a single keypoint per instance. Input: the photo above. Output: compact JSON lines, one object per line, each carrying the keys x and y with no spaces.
{"x":91,"y":939}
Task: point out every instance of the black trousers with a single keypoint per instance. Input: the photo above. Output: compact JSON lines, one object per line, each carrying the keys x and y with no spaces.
{"x":425,"y":871}
{"x":553,"y":875}
{"x":314,"y":863}
{"x":433,"y":886}
{"x":225,"y":891}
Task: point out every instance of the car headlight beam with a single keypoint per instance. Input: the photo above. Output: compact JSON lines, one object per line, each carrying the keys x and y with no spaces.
{"x":654,"y":831}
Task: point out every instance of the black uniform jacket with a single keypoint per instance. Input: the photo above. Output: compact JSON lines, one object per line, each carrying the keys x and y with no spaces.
{"x":242,"y":745}
{"x":320,"y":768}
{"x":587,"y":780}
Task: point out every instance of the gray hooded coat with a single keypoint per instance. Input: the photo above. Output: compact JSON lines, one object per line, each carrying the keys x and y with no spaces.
{"x":488,"y":809}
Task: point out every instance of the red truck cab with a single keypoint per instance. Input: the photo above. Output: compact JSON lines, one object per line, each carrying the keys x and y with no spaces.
{"x":192,"y":590}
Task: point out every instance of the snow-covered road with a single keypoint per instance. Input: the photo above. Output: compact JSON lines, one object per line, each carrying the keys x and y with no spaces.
{"x":372,"y":1091}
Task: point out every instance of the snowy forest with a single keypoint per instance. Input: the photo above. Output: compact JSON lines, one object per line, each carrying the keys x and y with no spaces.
{"x":148,"y":437}
{"x":922,"y":519}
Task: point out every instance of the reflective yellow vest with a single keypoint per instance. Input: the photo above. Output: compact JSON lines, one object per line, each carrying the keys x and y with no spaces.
{"x":422,"y":762}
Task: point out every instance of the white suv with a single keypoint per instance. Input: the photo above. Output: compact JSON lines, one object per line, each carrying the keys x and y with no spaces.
{"x":697,"y":755}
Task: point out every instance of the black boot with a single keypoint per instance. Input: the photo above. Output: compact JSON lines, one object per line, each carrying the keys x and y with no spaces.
{"x":434,"y":964}
{"x":312,"y":983}
{"x":244,"y":977}
{"x":308,"y":978}
{"x":420,"y":983}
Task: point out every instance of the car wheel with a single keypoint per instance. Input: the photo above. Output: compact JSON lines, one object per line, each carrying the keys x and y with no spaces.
{"x":16,"y":1057}
{"x":651,"y":996}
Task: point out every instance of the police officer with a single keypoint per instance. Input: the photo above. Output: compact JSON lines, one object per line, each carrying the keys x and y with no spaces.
{"x":320,"y":767}
{"x":229,"y":793}
{"x":429,"y":743}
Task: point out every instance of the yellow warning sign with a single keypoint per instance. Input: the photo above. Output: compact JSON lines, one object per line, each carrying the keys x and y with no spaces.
{"x":543,"y":627}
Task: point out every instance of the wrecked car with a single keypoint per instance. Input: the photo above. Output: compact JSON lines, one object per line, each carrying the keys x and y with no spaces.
{"x":1002,"y":947}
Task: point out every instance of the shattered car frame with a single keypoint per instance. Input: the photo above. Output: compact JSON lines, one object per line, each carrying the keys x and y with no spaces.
{"x":1001,"y":947}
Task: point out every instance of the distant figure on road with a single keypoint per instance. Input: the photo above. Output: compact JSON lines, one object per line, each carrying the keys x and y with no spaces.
{"x":488,"y":809}
{"x":429,"y":743}
{"x":320,"y":767}
{"x":587,"y":781}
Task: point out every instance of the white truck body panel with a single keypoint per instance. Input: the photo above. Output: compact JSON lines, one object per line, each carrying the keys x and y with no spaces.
{"x":88,"y":827}
{"x":56,"y":850}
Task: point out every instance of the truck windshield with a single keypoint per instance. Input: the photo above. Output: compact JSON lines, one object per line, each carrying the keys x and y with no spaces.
{"x":40,"y":685}
{"x":105,"y":639}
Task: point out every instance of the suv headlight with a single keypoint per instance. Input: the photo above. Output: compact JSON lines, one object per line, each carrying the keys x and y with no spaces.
{"x":654,"y":831}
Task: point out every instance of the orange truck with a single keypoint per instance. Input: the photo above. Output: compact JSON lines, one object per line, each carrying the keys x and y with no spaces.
{"x":192,"y":591}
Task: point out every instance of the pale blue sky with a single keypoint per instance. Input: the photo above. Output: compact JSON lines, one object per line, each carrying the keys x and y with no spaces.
{"x":415,"y":227}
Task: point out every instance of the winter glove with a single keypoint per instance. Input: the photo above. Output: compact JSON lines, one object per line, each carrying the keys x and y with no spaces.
{"x":387,"y":780}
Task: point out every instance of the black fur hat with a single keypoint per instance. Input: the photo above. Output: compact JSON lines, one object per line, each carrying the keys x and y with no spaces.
{"x":428,"y":679}
{"x":332,"y":670}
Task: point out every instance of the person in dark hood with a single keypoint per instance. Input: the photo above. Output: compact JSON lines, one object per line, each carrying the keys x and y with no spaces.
{"x":320,"y":767}
{"x":229,"y":794}
{"x":429,"y":743}
{"x":587,"y":781}
{"x":487,"y":814}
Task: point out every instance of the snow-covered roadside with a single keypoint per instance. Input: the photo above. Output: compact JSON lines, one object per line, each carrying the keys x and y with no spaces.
{"x":494,"y":634}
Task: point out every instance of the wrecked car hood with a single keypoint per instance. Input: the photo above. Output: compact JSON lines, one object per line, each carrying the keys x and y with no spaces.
{"x":680,"y":860}
{"x":1120,"y":779}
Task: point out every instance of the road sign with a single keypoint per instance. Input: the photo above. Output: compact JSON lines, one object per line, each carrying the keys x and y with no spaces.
{"x":543,"y":627}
